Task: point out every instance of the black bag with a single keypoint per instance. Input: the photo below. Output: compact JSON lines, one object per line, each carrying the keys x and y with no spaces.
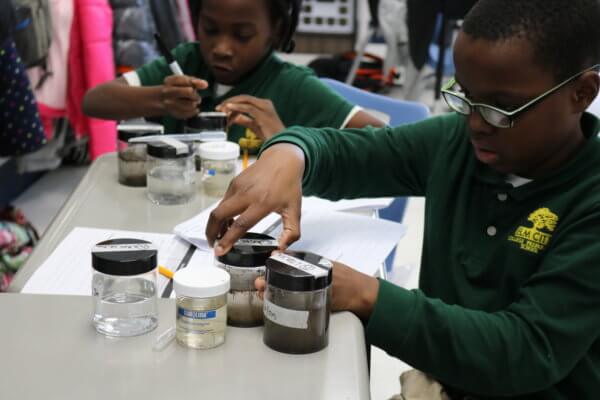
{"x":369,"y":75}
{"x":33,"y":31}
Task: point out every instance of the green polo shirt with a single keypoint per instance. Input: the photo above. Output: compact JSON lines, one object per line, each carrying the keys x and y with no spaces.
{"x":509,"y":297}
{"x":297,"y":94}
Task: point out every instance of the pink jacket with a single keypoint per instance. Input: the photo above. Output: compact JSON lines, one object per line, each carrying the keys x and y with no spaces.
{"x":91,"y":62}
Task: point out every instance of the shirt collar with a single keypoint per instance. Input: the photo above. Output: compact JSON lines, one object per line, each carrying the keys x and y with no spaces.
{"x":586,"y":156}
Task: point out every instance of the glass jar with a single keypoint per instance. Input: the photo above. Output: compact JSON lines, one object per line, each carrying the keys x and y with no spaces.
{"x":297,"y":302}
{"x":245,"y":262}
{"x":170,"y":173}
{"x":201,"y":306}
{"x":206,"y":121}
{"x":132,"y":156}
{"x":213,"y":121}
{"x":219,"y":163}
{"x":124,"y":287}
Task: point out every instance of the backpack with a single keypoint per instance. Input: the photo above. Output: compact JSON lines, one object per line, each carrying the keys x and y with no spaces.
{"x":33,"y":32}
{"x":369,"y":76}
{"x":17,"y":238}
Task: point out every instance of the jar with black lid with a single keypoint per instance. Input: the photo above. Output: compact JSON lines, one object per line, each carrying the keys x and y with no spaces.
{"x":124,"y":287}
{"x":245,"y":262}
{"x":132,"y":156}
{"x":171,"y":172}
{"x":297,"y":302}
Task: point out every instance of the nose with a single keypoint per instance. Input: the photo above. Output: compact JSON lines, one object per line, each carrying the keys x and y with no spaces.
{"x":223,"y":48}
{"x":478,"y":125}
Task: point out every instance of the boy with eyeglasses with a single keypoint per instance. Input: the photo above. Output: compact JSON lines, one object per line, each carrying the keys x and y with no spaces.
{"x":508,"y":304}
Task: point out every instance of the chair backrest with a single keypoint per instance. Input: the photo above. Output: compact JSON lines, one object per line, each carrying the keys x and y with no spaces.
{"x":399,"y":111}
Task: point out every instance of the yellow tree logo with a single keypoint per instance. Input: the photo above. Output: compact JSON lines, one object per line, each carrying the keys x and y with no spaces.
{"x":534,"y":239}
{"x":543,"y":218}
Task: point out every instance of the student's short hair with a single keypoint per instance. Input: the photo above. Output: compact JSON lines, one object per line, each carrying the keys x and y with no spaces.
{"x":285,"y":12}
{"x":565,"y":34}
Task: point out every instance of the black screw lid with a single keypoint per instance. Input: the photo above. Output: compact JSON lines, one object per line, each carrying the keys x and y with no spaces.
{"x":299,"y":271}
{"x":163,"y":150}
{"x":252,"y":250}
{"x":208,"y":121}
{"x":124,"y":257}
{"x":126,"y":132}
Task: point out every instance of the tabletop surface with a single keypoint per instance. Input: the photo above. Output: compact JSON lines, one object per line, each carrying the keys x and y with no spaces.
{"x":99,"y":201}
{"x":50,"y":350}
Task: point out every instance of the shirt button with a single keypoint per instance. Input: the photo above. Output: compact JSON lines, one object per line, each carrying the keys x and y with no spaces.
{"x":491,"y":230}
{"x":502,"y":196}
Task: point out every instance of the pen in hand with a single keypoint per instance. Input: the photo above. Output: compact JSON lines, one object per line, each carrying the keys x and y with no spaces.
{"x":166,"y":53}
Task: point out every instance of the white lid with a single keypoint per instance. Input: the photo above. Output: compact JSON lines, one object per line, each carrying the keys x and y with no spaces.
{"x":201,"y":282}
{"x":219,"y":151}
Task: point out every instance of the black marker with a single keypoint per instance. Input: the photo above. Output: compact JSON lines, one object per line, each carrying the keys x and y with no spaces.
{"x":166,"y":53}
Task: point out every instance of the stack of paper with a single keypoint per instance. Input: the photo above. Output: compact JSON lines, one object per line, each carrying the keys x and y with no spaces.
{"x":68,"y":270}
{"x":360,"y":241}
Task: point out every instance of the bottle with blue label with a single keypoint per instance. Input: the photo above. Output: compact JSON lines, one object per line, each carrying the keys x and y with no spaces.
{"x":201,"y":316}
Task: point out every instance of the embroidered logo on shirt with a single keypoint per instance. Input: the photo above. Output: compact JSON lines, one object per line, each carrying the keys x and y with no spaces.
{"x":536,"y":238}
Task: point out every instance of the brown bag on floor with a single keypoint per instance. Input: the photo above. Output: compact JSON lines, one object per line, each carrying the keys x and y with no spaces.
{"x":415,"y":385}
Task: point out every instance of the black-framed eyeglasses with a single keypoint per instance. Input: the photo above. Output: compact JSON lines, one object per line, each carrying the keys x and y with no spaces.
{"x":493,"y":115}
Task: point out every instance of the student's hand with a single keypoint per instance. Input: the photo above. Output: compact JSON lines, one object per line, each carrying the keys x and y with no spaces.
{"x":259,"y":115}
{"x":351,"y":291}
{"x":179,"y":95}
{"x":272,"y":184}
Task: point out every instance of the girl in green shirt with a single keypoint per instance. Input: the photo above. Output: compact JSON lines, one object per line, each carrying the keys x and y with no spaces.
{"x":232,"y":68}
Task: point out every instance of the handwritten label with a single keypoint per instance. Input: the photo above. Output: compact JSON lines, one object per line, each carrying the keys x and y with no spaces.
{"x":285,"y":316}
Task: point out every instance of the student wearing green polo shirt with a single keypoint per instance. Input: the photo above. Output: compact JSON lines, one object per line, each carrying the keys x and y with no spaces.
{"x":232,"y":68}
{"x":508,"y":304}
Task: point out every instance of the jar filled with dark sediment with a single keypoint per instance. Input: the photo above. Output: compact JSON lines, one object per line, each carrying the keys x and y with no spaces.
{"x":297,"y":302}
{"x":245,"y":262}
{"x":132,"y":156}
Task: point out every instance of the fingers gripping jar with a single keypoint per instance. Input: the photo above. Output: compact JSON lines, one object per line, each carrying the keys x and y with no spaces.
{"x":171,"y":174}
{"x":124,"y":287}
{"x":245,"y":262}
{"x":297,"y":302}
{"x":201,"y":306}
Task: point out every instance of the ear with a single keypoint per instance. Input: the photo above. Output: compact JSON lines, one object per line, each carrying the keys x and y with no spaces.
{"x":586,"y":90}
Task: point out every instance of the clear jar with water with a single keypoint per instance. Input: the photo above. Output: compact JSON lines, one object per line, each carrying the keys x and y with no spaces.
{"x":219,"y":166}
{"x":171,"y":174}
{"x":201,"y":306}
{"x":124,"y":287}
{"x":206,"y":121}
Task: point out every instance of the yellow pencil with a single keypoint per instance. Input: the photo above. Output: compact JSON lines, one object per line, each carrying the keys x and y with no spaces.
{"x":165,"y":272}
{"x":245,"y":159}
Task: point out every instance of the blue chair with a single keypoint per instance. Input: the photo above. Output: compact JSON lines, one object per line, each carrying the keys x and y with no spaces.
{"x":400,"y":112}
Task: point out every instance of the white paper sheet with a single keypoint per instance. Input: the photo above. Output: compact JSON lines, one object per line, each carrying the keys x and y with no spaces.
{"x":317,"y":204}
{"x":361,"y":242}
{"x":193,"y":229}
{"x":68,"y":270}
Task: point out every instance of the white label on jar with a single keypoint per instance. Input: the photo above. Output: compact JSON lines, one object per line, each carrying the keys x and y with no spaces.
{"x":317,"y":272}
{"x":179,"y":146}
{"x":284,"y":316}
{"x":257,"y":242}
{"x":109,"y":248}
